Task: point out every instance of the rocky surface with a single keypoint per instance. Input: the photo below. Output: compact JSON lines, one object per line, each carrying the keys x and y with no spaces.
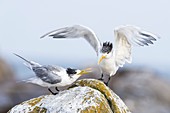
{"x":142,"y":90}
{"x":85,"y":96}
{"x":6,"y":73}
{"x":6,"y":81}
{"x":12,"y":91}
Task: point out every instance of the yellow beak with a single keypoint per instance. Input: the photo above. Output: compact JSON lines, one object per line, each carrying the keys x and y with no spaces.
{"x":101,"y":58}
{"x":85,"y":71}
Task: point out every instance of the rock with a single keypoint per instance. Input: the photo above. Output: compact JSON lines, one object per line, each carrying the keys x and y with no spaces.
{"x":6,"y":73}
{"x":13,"y":92}
{"x":6,"y":81}
{"x":84,"y":96}
{"x":142,"y":90}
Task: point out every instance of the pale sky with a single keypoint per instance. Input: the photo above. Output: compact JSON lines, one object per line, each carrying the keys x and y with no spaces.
{"x":22,"y":22}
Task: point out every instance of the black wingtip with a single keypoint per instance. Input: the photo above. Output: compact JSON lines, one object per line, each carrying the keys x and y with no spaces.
{"x":46,"y":36}
{"x":147,"y":35}
{"x":42,"y":37}
{"x":57,"y":36}
{"x":17,"y":55}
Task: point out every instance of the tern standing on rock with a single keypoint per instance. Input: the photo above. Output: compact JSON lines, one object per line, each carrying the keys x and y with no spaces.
{"x":109,"y":59}
{"x":52,"y":76}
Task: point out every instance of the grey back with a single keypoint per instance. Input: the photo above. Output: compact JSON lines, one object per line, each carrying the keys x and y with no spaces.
{"x":46,"y":73}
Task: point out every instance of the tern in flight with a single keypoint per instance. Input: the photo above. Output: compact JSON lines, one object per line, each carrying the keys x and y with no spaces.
{"x":110,"y":59}
{"x":52,"y":76}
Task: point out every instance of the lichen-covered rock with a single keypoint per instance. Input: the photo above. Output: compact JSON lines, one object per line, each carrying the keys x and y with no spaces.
{"x":116,"y":104}
{"x":84,"y":96}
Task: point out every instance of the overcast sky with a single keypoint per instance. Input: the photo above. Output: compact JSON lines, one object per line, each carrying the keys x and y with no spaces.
{"x":22,"y":22}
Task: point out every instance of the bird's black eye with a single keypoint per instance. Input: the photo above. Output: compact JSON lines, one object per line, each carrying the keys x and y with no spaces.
{"x":33,"y":69}
{"x":107,"y":47}
{"x":71,"y":71}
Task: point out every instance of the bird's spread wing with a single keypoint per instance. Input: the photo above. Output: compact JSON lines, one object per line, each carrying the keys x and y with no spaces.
{"x":125,"y":38}
{"x":48,"y":74}
{"x":76,"y":31}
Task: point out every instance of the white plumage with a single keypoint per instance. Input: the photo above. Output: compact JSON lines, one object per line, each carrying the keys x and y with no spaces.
{"x":52,"y":76}
{"x":110,"y":59}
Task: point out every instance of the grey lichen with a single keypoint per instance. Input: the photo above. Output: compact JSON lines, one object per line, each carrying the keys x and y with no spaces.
{"x":85,"y":96}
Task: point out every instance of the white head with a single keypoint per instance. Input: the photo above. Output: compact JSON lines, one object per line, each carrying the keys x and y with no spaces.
{"x":106,"y":51}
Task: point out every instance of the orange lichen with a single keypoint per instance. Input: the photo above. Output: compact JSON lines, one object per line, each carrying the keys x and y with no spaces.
{"x":34,"y":101}
{"x":112,"y":98}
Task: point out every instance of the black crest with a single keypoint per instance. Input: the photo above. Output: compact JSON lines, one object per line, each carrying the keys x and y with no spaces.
{"x":71,"y":71}
{"x":107,"y":47}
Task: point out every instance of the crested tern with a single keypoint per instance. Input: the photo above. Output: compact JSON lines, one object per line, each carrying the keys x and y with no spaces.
{"x":110,"y":59}
{"x":52,"y":76}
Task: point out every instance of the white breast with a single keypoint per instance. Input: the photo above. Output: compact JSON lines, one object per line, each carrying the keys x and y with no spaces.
{"x":108,"y":66}
{"x":66,"y":80}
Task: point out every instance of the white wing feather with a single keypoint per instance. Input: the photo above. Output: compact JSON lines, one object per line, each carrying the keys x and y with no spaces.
{"x":125,"y":38}
{"x":77,"y":31}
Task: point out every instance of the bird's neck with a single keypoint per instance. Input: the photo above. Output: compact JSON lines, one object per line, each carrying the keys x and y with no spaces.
{"x":75,"y":77}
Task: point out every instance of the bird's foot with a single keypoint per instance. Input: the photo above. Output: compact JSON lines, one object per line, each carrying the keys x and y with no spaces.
{"x":101,"y":79}
{"x":56,"y":89}
{"x":52,"y":91}
{"x":106,"y":83}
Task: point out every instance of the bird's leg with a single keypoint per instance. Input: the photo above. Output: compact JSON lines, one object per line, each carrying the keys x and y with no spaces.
{"x":101,"y":78}
{"x":52,"y":92}
{"x":108,"y":81}
{"x":56,"y":89}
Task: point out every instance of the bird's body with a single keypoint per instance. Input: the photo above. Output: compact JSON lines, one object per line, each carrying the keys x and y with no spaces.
{"x":110,"y":59}
{"x":65,"y":82}
{"x":108,"y":66}
{"x":62,"y":79}
{"x":52,"y":76}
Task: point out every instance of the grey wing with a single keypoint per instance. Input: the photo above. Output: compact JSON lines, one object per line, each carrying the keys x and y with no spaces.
{"x":55,"y":68}
{"x":77,"y":31}
{"x":47,"y":75}
{"x":125,"y":38}
{"x":29,"y":64}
